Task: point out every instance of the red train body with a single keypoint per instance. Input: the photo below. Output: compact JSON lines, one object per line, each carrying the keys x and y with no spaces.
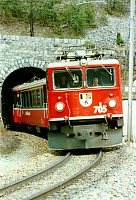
{"x":77,"y":114}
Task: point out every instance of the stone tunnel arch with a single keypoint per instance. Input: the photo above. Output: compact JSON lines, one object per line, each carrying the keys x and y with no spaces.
{"x":14,"y":76}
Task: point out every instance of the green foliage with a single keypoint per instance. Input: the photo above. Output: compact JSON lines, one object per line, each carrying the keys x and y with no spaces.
{"x":71,"y":18}
{"x":119,"y":40}
{"x":11,"y":8}
{"x":75,"y":19}
{"x":46,"y":13}
{"x":58,"y":15}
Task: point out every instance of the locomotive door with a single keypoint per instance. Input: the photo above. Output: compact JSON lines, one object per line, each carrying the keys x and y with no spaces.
{"x":45,"y":107}
{"x":17,"y":113}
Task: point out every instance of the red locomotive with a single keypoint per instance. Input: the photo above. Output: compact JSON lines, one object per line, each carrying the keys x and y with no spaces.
{"x":79,"y":104}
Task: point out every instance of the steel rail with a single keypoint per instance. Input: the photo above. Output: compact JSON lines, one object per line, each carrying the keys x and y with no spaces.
{"x":12,"y":186}
{"x":55,"y":187}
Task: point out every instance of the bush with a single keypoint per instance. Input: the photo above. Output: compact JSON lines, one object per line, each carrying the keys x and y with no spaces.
{"x":119,"y":40}
{"x":12,"y":8}
{"x":75,"y":19}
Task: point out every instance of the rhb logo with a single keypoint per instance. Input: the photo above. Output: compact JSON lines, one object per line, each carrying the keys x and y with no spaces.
{"x":85,"y":99}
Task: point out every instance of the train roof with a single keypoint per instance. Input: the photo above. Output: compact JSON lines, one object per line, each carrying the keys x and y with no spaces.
{"x":78,"y":63}
{"x":29,"y":85}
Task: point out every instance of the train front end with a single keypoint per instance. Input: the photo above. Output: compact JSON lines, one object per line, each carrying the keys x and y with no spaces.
{"x":84,"y":114}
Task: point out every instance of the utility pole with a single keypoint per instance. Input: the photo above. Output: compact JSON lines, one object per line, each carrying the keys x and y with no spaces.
{"x":131,"y":60}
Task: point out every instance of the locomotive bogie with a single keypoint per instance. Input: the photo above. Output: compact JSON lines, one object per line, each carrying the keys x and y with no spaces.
{"x":99,"y":135}
{"x":88,"y":139}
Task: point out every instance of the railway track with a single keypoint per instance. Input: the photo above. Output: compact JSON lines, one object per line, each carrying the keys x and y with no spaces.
{"x":40,"y":186}
{"x":12,"y":186}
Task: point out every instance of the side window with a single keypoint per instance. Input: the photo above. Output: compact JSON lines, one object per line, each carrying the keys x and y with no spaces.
{"x":38,"y":97}
{"x":30,"y":98}
{"x":27,"y":99}
{"x":23,"y":100}
{"x":34,"y":98}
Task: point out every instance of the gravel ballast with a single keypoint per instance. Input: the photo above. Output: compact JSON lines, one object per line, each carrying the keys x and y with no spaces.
{"x":113,"y":179}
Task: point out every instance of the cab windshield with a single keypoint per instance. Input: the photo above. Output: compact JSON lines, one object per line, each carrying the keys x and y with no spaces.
{"x":102,"y":76}
{"x":69,"y":78}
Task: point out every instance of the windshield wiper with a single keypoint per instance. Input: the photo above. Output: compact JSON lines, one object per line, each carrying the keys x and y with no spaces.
{"x":70,"y":73}
{"x":106,"y":70}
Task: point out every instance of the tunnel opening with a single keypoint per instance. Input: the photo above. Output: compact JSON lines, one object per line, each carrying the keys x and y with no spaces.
{"x":17,"y":77}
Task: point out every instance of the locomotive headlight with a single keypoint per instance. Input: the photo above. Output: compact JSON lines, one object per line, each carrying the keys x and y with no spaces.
{"x":59,"y":106}
{"x":112,"y":103}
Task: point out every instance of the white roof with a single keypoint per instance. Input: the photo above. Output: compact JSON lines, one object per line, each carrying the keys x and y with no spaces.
{"x":77,"y":63}
{"x":33,"y":84}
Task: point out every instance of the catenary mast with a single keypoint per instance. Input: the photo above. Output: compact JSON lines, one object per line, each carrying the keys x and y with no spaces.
{"x":131,"y":56}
